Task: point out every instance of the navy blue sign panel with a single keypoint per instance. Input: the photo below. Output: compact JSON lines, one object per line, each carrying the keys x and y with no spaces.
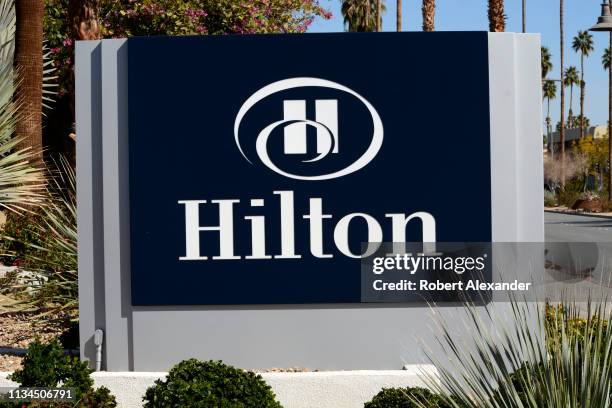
{"x":259,"y":165}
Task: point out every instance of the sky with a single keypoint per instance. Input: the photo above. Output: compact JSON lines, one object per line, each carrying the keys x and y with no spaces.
{"x":542,"y":17}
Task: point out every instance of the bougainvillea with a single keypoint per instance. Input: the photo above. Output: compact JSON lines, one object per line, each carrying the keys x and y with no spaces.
{"x":126,"y":18}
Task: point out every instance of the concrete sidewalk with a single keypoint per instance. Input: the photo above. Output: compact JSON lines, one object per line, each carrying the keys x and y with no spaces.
{"x":337,"y":389}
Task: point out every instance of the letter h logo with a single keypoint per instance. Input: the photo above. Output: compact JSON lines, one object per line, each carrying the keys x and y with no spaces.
{"x":326,"y":123}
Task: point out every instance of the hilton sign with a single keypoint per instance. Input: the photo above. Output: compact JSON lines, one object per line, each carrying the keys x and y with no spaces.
{"x":227,"y":186}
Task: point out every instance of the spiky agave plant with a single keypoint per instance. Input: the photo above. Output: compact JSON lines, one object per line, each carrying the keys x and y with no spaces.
{"x":50,"y":253}
{"x":540,"y":357}
{"x":21,"y":184}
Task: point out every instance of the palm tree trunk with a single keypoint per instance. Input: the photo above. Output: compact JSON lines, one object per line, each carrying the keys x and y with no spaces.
{"x":570,"y":115}
{"x":398,"y":16}
{"x":610,"y":128}
{"x":562,"y":130}
{"x":29,"y":62}
{"x":378,"y":15}
{"x":497,"y":16}
{"x":582,"y":90}
{"x":429,"y":15}
{"x":548,"y":133}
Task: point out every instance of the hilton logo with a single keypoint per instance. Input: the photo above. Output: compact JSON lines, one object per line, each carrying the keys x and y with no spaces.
{"x":328,"y":143}
{"x":295,"y":124}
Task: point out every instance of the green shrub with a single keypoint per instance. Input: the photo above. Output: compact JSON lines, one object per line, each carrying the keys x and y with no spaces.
{"x":411,"y":397}
{"x":550,"y":199}
{"x":569,"y":194}
{"x":46,"y":365}
{"x":18,"y":235}
{"x":194,"y":383}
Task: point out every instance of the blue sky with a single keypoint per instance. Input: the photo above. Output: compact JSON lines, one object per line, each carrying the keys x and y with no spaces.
{"x":542,"y":17}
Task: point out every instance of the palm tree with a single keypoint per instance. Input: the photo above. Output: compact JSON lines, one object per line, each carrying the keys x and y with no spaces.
{"x":429,"y":15}
{"x":29,"y":61}
{"x":570,"y":79}
{"x":21,"y":184}
{"x":578,"y":120}
{"x":547,"y":65}
{"x":583,"y":43}
{"x":361,"y":15}
{"x":497,"y":17}
{"x":398,"y":16}
{"x":549,"y":92}
{"x":378,"y":15}
{"x":606,"y":63}
{"x":562,"y":68}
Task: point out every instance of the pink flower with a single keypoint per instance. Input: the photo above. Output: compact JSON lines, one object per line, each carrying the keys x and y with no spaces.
{"x":68,"y":42}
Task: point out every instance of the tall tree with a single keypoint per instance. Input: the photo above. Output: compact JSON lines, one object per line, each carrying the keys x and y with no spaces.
{"x":546,"y":59}
{"x":378,"y":15}
{"x":497,"y":16}
{"x":583,"y":43}
{"x":549,"y":92}
{"x":29,"y":62}
{"x":398,"y":16}
{"x":524,"y":16}
{"x":570,"y":79}
{"x":562,"y":69}
{"x":429,"y":15}
{"x":21,"y":184}
{"x":606,"y":63}
{"x":361,"y":15}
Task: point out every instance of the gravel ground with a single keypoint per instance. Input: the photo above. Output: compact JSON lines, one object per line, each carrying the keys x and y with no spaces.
{"x":18,"y":330}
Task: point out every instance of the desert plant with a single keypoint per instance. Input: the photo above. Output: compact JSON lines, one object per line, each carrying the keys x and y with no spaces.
{"x":550,"y":199}
{"x":46,"y":365}
{"x":571,"y":166}
{"x":194,"y":383}
{"x":543,"y":357}
{"x":45,"y":243}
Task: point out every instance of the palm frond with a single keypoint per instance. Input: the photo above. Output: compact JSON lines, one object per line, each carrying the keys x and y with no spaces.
{"x":50,"y":84}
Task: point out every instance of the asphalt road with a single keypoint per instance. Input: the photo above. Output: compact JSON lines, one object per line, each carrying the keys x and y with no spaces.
{"x":579,"y":255}
{"x":577,"y":228}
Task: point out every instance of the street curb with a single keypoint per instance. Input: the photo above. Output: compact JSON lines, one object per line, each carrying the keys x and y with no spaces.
{"x":593,"y":215}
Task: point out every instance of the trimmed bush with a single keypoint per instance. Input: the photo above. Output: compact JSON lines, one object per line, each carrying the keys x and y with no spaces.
{"x":411,"y":397}
{"x":46,"y":365}
{"x":194,"y":383}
